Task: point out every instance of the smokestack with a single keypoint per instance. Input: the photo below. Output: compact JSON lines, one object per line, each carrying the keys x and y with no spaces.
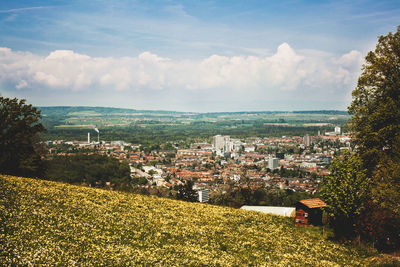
{"x":98,"y":134}
{"x":88,"y":138}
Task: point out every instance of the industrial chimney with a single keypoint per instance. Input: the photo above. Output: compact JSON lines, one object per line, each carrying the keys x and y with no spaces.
{"x":98,"y":135}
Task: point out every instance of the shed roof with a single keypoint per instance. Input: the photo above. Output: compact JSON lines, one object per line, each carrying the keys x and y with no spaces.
{"x":313,"y":203}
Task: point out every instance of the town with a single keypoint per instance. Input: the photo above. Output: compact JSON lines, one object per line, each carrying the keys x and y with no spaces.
{"x":200,"y":133}
{"x":295,"y":163}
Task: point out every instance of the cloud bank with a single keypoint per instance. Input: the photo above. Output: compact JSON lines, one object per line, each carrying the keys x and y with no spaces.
{"x":311,"y":75}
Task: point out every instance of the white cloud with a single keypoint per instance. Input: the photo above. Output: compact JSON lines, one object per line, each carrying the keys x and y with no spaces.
{"x":21,"y":84}
{"x":286,"y":71}
{"x":353,"y":59}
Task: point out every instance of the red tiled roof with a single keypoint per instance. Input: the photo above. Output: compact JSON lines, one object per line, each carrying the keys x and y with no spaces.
{"x":313,"y":203}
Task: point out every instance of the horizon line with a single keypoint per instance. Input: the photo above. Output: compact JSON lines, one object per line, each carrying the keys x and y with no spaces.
{"x":243,"y":111}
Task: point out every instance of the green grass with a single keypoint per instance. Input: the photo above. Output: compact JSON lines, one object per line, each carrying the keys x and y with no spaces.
{"x":43,"y":222}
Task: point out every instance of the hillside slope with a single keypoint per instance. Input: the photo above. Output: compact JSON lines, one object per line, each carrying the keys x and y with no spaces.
{"x":54,"y":223}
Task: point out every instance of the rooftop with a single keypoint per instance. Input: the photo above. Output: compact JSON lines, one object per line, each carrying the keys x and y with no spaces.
{"x":313,"y":203}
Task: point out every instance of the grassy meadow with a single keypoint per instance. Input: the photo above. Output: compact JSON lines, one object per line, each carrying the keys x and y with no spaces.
{"x":44,"y":222}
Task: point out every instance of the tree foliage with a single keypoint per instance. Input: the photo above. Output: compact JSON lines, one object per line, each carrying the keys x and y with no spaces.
{"x":381,"y":223}
{"x":238,"y":197}
{"x":375,"y":110}
{"x":375,"y":125}
{"x":19,"y":138}
{"x":345,"y":192}
{"x":95,"y":170}
{"x":186,"y":192}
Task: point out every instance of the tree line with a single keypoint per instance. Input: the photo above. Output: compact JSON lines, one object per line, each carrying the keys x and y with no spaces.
{"x":92,"y":170}
{"x":238,"y":197}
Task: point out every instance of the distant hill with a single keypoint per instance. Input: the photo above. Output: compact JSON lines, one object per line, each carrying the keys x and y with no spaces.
{"x":331,"y":112}
{"x":43,"y":222}
{"x":65,"y":110}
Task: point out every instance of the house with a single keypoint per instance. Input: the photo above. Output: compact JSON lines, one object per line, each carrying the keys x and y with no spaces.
{"x":309,"y":212}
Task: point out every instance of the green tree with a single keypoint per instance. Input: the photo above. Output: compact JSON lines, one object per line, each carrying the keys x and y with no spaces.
{"x":95,"y":170}
{"x":186,"y":192}
{"x":345,"y":192}
{"x":386,"y":189}
{"x":19,"y":138}
{"x":375,"y":109}
{"x":381,"y":222}
{"x":140,"y":181}
{"x":375,"y":127}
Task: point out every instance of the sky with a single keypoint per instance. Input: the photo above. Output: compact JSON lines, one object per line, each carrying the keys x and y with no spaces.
{"x":198,"y":56}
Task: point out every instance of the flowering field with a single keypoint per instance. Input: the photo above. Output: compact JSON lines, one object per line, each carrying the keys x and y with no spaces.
{"x":55,"y":223}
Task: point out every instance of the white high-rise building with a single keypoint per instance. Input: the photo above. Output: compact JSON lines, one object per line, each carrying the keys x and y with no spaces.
{"x":222,"y":144}
{"x":273,"y":163}
{"x":218,"y":142}
{"x":237,"y":144}
{"x":203,"y":195}
{"x":334,"y":133}
{"x":307,"y":140}
{"x":337,"y":130}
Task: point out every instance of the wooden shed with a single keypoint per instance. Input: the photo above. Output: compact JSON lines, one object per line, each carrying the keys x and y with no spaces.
{"x":309,"y":212}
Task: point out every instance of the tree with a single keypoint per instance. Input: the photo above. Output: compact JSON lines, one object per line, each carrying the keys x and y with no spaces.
{"x":19,"y":138}
{"x":186,"y":192}
{"x":375,"y":109}
{"x":345,"y":192}
{"x":382,"y":218}
{"x":375,"y":127}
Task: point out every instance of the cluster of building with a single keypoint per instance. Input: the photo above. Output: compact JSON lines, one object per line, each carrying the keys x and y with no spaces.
{"x":294,"y":163}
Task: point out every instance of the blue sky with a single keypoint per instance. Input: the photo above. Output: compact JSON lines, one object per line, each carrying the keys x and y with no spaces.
{"x":189,"y":55}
